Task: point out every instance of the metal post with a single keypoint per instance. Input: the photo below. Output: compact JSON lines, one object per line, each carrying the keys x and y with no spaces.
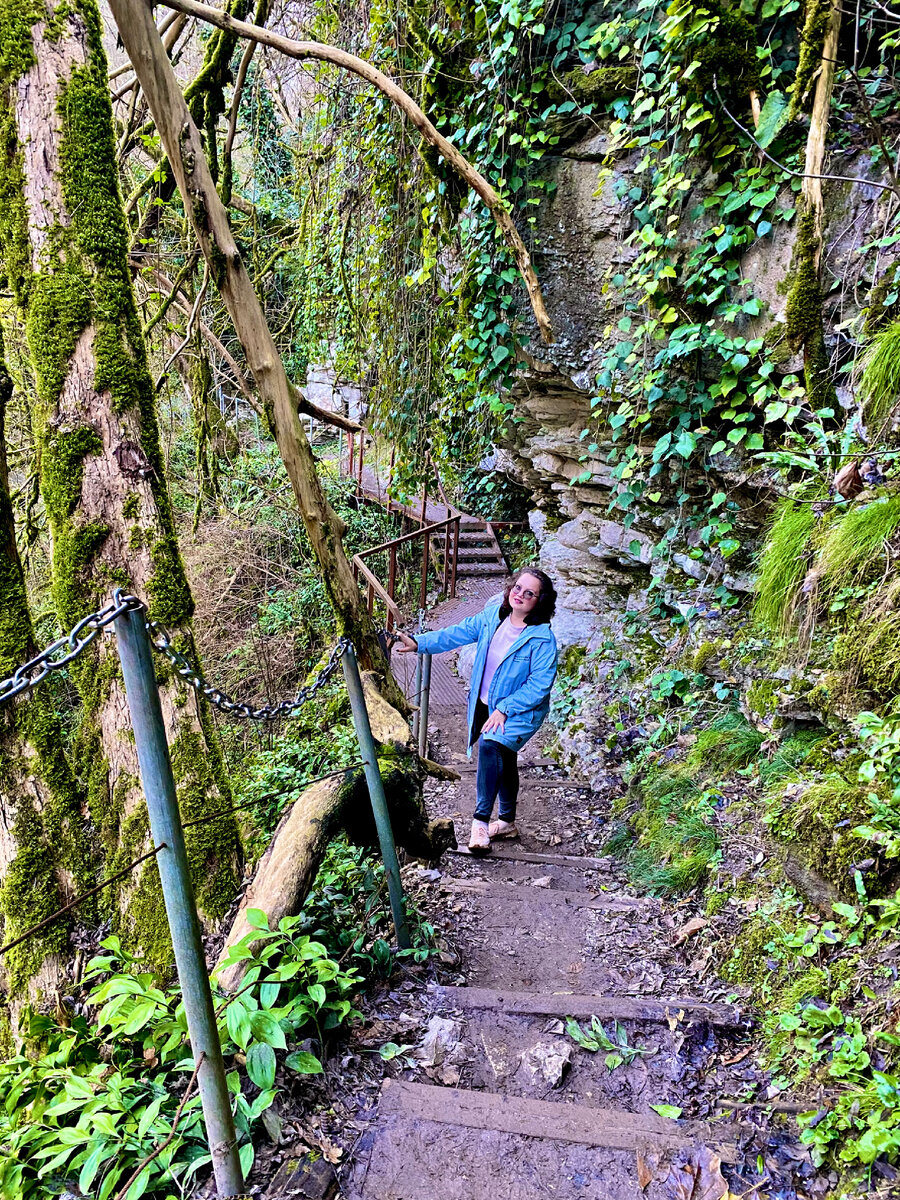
{"x":376,"y":793}
{"x":351,"y":443}
{"x":359,"y":470}
{"x":423,"y":590}
{"x":455,"y":558}
{"x":422,"y":731}
{"x":417,"y":696}
{"x":165,"y":827}
{"x":446,"y":560}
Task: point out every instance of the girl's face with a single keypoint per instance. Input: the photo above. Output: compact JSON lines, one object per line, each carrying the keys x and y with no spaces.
{"x":526,"y":592}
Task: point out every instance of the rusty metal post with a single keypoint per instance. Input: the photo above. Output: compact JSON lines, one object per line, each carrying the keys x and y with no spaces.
{"x":424,"y":503}
{"x":446,"y":560}
{"x":455,"y":558}
{"x":392,"y":581}
{"x":370,"y":601}
{"x":351,"y":447}
{"x":362,"y":447}
{"x":423,"y":590}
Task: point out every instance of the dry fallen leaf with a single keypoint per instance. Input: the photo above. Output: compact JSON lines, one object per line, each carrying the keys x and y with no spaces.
{"x":736,"y":1058}
{"x":697,"y":1176}
{"x":644,"y":1174}
{"x":690,"y":928}
{"x":672,"y":1019}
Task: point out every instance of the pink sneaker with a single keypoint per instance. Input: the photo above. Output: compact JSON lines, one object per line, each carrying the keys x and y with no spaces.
{"x":502,"y":829}
{"x":479,"y":839}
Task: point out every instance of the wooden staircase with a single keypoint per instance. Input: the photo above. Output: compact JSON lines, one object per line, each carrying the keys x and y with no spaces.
{"x":479,"y":551}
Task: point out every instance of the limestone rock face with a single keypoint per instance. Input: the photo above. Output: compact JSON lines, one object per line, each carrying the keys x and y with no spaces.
{"x":624,"y":571}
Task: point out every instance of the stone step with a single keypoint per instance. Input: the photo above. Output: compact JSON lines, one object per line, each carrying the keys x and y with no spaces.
{"x":558,"y":897}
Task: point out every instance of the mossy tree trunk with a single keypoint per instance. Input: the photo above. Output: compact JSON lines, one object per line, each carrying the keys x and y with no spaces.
{"x":64,"y":242}
{"x":815,"y":76}
{"x":43,"y":848}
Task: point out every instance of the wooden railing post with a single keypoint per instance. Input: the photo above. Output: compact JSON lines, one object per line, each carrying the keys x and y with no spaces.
{"x":423,"y":590}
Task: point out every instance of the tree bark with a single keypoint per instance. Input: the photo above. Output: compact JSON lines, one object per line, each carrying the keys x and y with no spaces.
{"x":64,"y":243}
{"x":182,"y":143}
{"x":43,"y":850}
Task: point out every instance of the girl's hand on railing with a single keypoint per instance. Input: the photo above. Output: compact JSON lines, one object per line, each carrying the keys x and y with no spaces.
{"x":407,"y":645}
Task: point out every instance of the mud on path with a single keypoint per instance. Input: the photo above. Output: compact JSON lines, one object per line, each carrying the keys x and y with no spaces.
{"x":491,"y":1098}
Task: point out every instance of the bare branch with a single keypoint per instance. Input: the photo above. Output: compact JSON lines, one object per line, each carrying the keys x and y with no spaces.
{"x":358,"y":66}
{"x":884,"y":187}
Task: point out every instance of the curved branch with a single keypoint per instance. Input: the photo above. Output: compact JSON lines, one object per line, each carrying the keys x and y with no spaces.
{"x":358,"y":66}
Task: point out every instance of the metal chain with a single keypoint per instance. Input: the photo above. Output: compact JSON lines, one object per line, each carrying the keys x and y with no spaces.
{"x":61,"y":653}
{"x":237,"y":708}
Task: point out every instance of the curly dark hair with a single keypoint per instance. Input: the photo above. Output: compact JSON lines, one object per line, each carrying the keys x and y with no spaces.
{"x":546,"y":605}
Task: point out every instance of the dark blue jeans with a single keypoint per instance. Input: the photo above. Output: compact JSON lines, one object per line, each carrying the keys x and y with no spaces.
{"x":497,"y":776}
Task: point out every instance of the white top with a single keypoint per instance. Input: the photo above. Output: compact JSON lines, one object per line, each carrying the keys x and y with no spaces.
{"x":501,"y":642}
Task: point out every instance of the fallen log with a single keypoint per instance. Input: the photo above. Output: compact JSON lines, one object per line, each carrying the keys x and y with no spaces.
{"x":288,"y":868}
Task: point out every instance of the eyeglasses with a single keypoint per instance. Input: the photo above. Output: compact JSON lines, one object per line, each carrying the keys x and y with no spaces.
{"x":518,"y":590}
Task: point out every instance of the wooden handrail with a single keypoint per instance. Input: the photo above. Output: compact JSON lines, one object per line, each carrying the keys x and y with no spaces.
{"x":425,"y":531}
{"x":380,"y":591}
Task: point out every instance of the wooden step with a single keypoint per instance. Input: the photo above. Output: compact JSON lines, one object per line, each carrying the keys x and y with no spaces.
{"x":488,"y":568}
{"x":573,"y":1004}
{"x":607,"y":1128}
{"x":525,"y":894}
{"x":510,"y":852}
{"x":466,"y":553}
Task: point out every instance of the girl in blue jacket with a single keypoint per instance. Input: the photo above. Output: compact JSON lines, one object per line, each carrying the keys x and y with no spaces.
{"x":515,"y":665}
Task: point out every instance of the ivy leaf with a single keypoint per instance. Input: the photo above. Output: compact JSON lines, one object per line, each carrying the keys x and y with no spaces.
{"x":686,"y":444}
{"x":775,"y":411}
{"x":773,"y":118}
{"x":499,"y":353}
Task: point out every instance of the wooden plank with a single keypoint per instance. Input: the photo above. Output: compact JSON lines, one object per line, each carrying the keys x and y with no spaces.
{"x":605,"y":1128}
{"x":526,"y":894}
{"x":512,"y":853}
{"x":580,"y":1005}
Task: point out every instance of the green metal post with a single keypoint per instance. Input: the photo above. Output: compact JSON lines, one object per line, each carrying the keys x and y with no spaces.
{"x":376,"y":794}
{"x":424,"y":697}
{"x":178,"y":894}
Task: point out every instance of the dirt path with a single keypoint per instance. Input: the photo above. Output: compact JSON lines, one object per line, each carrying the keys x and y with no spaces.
{"x":498,"y":1102}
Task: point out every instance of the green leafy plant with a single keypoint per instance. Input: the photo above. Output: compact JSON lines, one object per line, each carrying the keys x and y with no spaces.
{"x":594,"y":1038}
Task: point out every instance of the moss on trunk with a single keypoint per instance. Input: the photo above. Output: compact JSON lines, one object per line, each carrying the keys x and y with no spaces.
{"x":102,"y":469}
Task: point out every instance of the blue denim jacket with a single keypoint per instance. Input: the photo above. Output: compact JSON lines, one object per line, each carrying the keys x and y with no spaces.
{"x":522,"y":682}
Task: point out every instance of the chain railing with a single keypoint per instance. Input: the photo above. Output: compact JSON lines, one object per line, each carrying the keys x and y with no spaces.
{"x":66,"y":649}
{"x":63,"y":651}
{"x":137,"y":637}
